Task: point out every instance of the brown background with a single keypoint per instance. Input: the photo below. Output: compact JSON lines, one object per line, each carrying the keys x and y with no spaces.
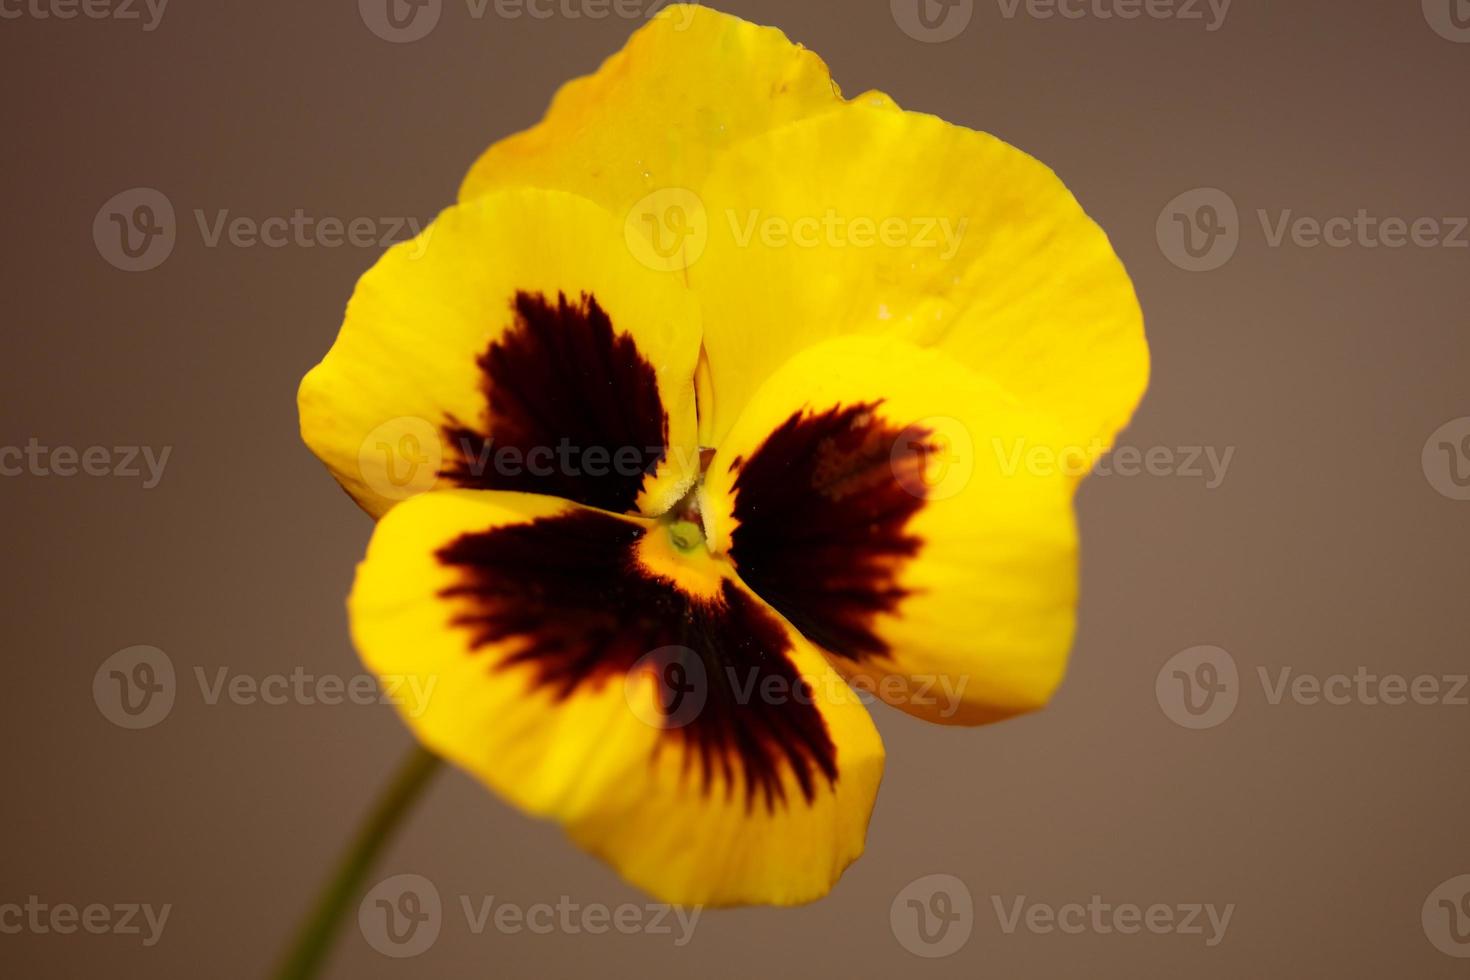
{"x":1325,"y":549}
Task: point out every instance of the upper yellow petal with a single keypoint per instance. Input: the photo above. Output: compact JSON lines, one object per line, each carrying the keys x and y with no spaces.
{"x":867,"y":220}
{"x":657,"y":114}
{"x":516,"y":344}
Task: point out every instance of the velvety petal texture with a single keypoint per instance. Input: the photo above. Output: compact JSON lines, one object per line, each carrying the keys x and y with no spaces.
{"x":672,"y":722}
{"x":718,"y":405}
{"x":661,"y":112}
{"x":878,"y":495}
{"x":516,"y":345}
{"x":871,"y":221}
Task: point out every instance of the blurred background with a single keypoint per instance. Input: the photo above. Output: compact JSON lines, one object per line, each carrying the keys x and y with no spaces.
{"x":1266,"y":717}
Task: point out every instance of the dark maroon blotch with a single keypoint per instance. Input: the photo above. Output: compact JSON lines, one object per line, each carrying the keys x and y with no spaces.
{"x":583,"y":611}
{"x":572,"y":409}
{"x":822,"y":509}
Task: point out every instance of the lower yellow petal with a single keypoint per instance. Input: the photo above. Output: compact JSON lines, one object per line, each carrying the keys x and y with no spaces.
{"x":591,"y":672}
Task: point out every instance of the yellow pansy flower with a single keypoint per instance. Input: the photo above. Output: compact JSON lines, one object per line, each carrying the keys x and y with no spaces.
{"x":714,"y":403}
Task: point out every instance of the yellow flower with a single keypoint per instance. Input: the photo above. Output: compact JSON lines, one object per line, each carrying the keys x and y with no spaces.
{"x":715,"y":397}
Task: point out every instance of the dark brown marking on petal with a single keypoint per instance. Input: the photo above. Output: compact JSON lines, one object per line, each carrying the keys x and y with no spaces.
{"x":572,"y":410}
{"x":571,"y":592}
{"x":822,"y":509}
{"x":739,"y":462}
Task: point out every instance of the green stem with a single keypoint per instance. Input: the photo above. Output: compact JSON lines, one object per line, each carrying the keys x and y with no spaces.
{"x":314,"y":939}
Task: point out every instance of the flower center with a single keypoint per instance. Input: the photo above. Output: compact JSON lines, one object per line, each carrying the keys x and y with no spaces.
{"x":686,"y":535}
{"x":684,"y":523}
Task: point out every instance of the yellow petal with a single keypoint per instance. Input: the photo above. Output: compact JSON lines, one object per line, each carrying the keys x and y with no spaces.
{"x":910,"y":518}
{"x":589,"y":672}
{"x":690,"y":83}
{"x":515,"y":345}
{"x":867,"y":220}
